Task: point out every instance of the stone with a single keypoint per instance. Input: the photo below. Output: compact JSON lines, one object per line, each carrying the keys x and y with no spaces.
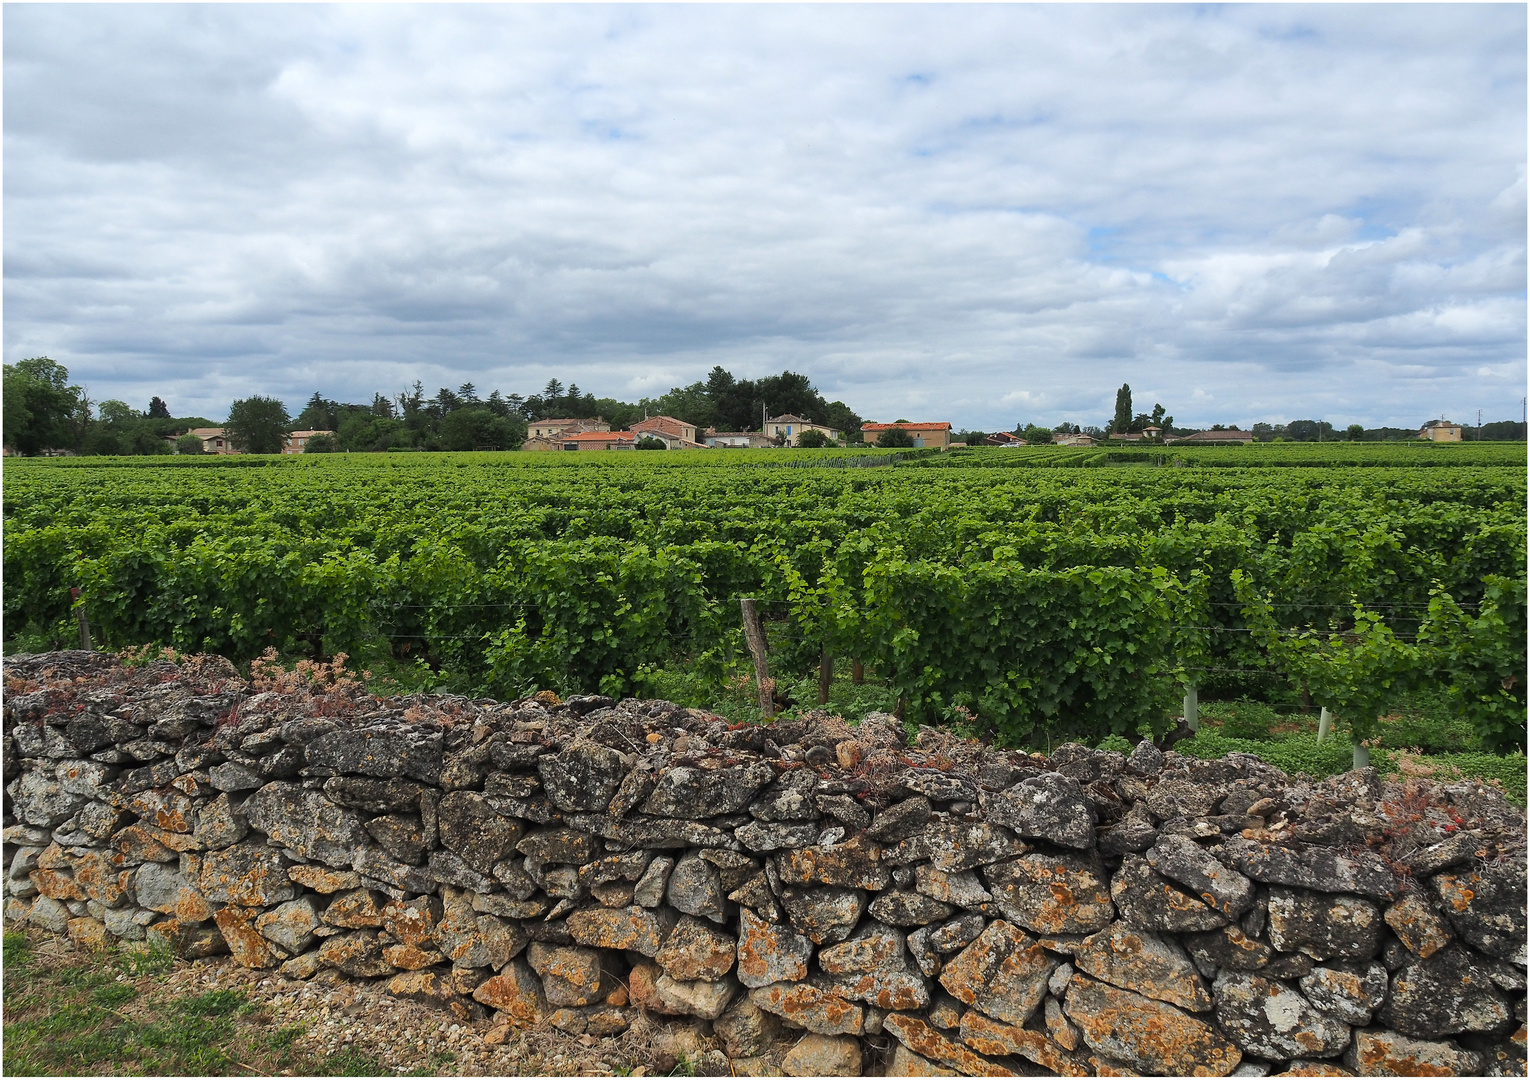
{"x":1004,"y":972}
{"x":937,"y":785}
{"x":1417,"y":925}
{"x":907,"y":1063}
{"x":190,"y":941}
{"x":845,"y":810}
{"x":411,"y":957}
{"x":1269,"y":1019}
{"x":1134,"y":832}
{"x":470,"y":828}
{"x":1145,"y":759}
{"x":49,"y":914}
{"x":684,"y":791}
{"x":245,"y":942}
{"x":1449,"y":992}
{"x":323,"y":879}
{"x":38,"y":800}
{"x":358,"y":954}
{"x":452,"y":869}
{"x":1320,"y":869}
{"x":770,"y":952}
{"x":584,"y":776}
{"x":901,"y":820}
{"x":1187,"y":863}
{"x":400,"y":835}
{"x":570,"y":975}
{"x":429,"y":988}
{"x":960,"y":889}
{"x":384,"y":796}
{"x":384,"y":751}
{"x":372,"y":862}
{"x":852,"y":864}
{"x":927,"y":1043}
{"x":746,"y":1029}
{"x":302,"y":967}
{"x":612,"y":868}
{"x":1147,"y":899}
{"x":810,"y":1006}
{"x":967,"y":844}
{"x":249,"y":874}
{"x":996,"y":1039}
{"x":695,"y":888}
{"x":823,"y":1055}
{"x":1352,"y":992}
{"x":290,"y":925}
{"x":825,"y":915}
{"x":100,"y":879}
{"x":900,"y":908}
{"x":568,"y":846}
{"x":695,"y":951}
{"x":232,"y":776}
{"x":895,"y":986}
{"x":1386,"y":1053}
{"x":1053,"y":894}
{"x":515,"y":993}
{"x":305,"y":822}
{"x":650,"y":888}
{"x":1228,"y":947}
{"x":1176,"y":798}
{"x":703,"y":998}
{"x":772,"y":836}
{"x":127,"y":923}
{"x":508,"y":907}
{"x":1486,"y":907}
{"x":137,"y":844}
{"x":456,"y":933}
{"x":87,"y":778}
{"x":355,"y":910}
{"x":755,"y":895}
{"x":1048,"y":807}
{"x":1324,"y":925}
{"x":1141,"y":961}
{"x":1149,"y":1036}
{"x":220,"y":824}
{"x":956,"y":934}
{"x":636,"y":928}
{"x":88,"y":933}
{"x":1060,"y":1029}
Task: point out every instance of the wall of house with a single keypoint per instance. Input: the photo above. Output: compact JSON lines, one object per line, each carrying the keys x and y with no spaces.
{"x":918,"y":908}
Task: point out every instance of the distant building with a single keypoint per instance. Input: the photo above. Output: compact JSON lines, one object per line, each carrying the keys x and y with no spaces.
{"x":1440,"y":431}
{"x":1229,"y":437}
{"x":1003,"y":438}
{"x":294,"y":443}
{"x":1073,"y":440}
{"x":753,"y":440}
{"x":789,"y":429}
{"x":539,"y":429}
{"x":674,"y":434}
{"x":599,"y":440}
{"x":936,"y":435}
{"x":214,"y":440}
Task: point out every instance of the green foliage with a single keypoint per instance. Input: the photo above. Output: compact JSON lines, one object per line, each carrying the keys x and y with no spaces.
{"x":895,"y":438}
{"x":648,"y":442}
{"x":813,"y":439}
{"x":1036,"y":435}
{"x":189,"y":444}
{"x":42,"y":411}
{"x":1117,"y":743}
{"x":258,"y":425}
{"x":320,"y":444}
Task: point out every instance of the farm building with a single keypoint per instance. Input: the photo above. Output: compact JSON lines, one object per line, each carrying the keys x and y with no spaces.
{"x":1440,"y":431}
{"x":933,"y":435}
{"x":788,"y":429}
{"x":540,"y":429}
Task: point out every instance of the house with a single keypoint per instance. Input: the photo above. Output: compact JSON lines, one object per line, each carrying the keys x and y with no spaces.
{"x":1230,"y":437}
{"x":542,"y":442}
{"x":599,"y":440}
{"x":667,"y":428}
{"x":753,"y":440}
{"x":931,"y":435}
{"x":214,"y":440}
{"x":788,"y":428}
{"x":1440,"y":431}
{"x":294,"y":443}
{"x":1073,"y":440}
{"x":1126,"y":436}
{"x":1003,"y":438}
{"x":541,"y":429}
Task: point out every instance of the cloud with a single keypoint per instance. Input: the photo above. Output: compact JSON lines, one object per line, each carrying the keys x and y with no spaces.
{"x":1303,"y":210}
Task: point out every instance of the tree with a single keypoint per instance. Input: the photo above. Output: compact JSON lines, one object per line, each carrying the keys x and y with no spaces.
{"x":813,"y":439}
{"x":974,"y":438}
{"x":381,"y":406}
{"x":1355,"y":432}
{"x":1036,"y":435}
{"x":318,"y":414}
{"x":41,"y":409}
{"x":258,"y":425}
{"x":1123,"y":419}
{"x":895,"y":437}
{"x":189,"y":444}
{"x":553,"y":390}
{"x":116,"y":413}
{"x":320,"y":444}
{"x":648,"y":442}
{"x":158,"y":410}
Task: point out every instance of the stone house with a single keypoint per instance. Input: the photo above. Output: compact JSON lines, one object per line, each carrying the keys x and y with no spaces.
{"x":937,"y":435}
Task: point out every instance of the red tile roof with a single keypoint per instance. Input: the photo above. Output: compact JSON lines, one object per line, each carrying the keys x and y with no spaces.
{"x":942,"y":426}
{"x":596,"y":436}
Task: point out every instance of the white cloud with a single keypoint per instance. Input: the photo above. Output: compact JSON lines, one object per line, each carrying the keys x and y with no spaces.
{"x":1291,"y":209}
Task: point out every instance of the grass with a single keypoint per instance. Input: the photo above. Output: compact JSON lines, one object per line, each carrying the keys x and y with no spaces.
{"x":113,"y":1012}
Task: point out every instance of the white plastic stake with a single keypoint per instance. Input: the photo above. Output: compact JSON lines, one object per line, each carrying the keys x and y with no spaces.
{"x":1362,"y":755}
{"x":1192,"y":708}
{"x":1325,"y":724}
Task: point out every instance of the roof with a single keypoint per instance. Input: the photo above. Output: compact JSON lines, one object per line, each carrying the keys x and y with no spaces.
{"x":667,"y":424}
{"x":789,"y":418}
{"x":206,"y":432}
{"x":941,"y":426}
{"x":306,"y":434}
{"x":566,"y":420}
{"x":1440,"y":423}
{"x":1219,"y":436}
{"x":597,"y":436}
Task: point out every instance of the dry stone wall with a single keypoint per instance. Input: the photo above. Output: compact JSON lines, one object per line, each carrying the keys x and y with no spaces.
{"x":916,"y":909}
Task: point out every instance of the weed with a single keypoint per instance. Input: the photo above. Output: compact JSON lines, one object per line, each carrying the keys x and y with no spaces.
{"x":351,"y":1062}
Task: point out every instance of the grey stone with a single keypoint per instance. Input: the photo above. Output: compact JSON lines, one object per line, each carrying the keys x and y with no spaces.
{"x":373,"y":862}
{"x":232,"y":776}
{"x":825,"y":915}
{"x":1053,"y":894}
{"x":770,"y":952}
{"x":745,"y":1029}
{"x":249,"y":874}
{"x":305,"y":822}
{"x":386,"y":796}
{"x":470,"y":827}
{"x":384,"y":751}
{"x":695,"y":888}
{"x":772,"y":836}
{"x":961,"y":890}
{"x":400,"y":835}
{"x":790,"y":798}
{"x":1186,"y":862}
{"x":898,"y":907}
{"x":584,"y":776}
{"x":650,"y":888}
{"x":452,"y":869}
{"x":1147,"y":899}
{"x":1227,"y":947}
{"x":1048,"y":807}
{"x":901,"y":820}
{"x":1386,"y":1053}
{"x":685,"y":791}
{"x":290,"y":925}
{"x":87,"y":778}
{"x":1140,"y":960}
{"x":844,"y":809}
{"x":1320,"y":869}
{"x":1145,"y":760}
{"x":1486,"y":907}
{"x":558,"y":846}
{"x":938,"y":786}
{"x":127,"y":923}
{"x":1176,"y":798}
{"x":925,"y":958}
{"x":220,"y":824}
{"x":162,"y":889}
{"x":1271,"y":1020}
{"x":38,"y":800}
{"x":1449,"y":992}
{"x":1324,"y":925}
{"x":49,"y":914}
{"x":1352,"y":992}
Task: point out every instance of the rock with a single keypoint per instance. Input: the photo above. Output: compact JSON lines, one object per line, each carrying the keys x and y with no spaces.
{"x":515,"y":993}
{"x":450,"y":868}
{"x":370,"y":861}
{"x":1324,"y":925}
{"x":570,"y":975}
{"x":687,"y":792}
{"x":1147,"y":899}
{"x":1449,"y":992}
{"x":584,"y":776}
{"x":322,"y":879}
{"x":633,"y":928}
{"x":1417,"y":925}
{"x":900,"y":908}
{"x":809,"y":1005}
{"x":232,"y":776}
{"x":1047,"y":807}
{"x":1169,"y":799}
{"x":305,"y":822}
{"x":456,"y":933}
{"x":386,"y":796}
{"x":694,"y":951}
{"x":249,"y":874}
{"x":702,"y":998}
{"x":49,"y":914}
{"x":1187,"y":863}
{"x":612,"y":868}
{"x":290,"y":925}
{"x":220,"y":824}
{"x":569,"y":846}
{"x":650,"y":888}
{"x":41,"y":801}
{"x":1134,"y":832}
{"x":1149,"y":1036}
{"x":1228,"y":947}
{"x":245,"y":943}
{"x":430,"y":988}
{"x":100,"y":879}
{"x":772,"y":836}
{"x":824,"y":1055}
{"x":1145,"y":760}
{"x":88,"y":934}
{"x":901,"y":820}
{"x":411,"y":957}
{"x":1053,"y":894}
{"x":937,"y":785}
{"x":127,"y":923}
{"x":1059,"y":1027}
{"x":1487,"y":908}
{"x":745,"y":1029}
{"x":844,"y":809}
{"x":825,"y":915}
{"x":1454,"y":851}
{"x":1271,"y":1020}
{"x":302,"y":967}
{"x":852,"y":864}
{"x":190,"y":941}
{"x":502,"y":940}
{"x":1386,"y":1053}
{"x":988,"y":1036}
{"x":926,"y":1043}
{"x":383,"y":751}
{"x":1142,"y":961}
{"x":907,"y":1063}
{"x":769,"y":952}
{"x":355,"y":910}
{"x":956,"y":934}
{"x":1004,"y":972}
{"x":1321,"y":869}
{"x":1349,"y":991}
{"x":961,"y":889}
{"x":696,"y":889}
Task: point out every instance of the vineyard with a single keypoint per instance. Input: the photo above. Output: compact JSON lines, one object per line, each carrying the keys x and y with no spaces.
{"x":1037,"y":594}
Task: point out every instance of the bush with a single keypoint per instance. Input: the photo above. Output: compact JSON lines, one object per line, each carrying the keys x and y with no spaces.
{"x":320,"y":444}
{"x":648,"y":442}
{"x":813,"y":439}
{"x":188,"y":444}
{"x":895,"y":438}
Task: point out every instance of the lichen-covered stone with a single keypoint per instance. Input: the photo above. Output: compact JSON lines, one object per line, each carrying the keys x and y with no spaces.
{"x":400,"y":835}
{"x":1183,"y":861}
{"x":746,"y":1029}
{"x":1417,"y":925}
{"x":1053,"y":894}
{"x":702,"y":998}
{"x":684,"y":791}
{"x":249,"y":874}
{"x":1269,"y":1019}
{"x":1004,"y":972}
{"x":1386,"y":1053}
{"x":853,"y":864}
{"x":430,"y":988}
{"x":245,"y":943}
{"x":323,"y":879}
{"x":959,"y":889}
{"x":305,"y":822}
{"x":1486,"y":907}
{"x":220,"y":824}
{"x":810,"y":1006}
{"x":1452,"y":991}
{"x":1352,"y":992}
{"x":640,"y":929}
{"x":190,"y":941}
{"x":695,"y":950}
{"x":570,"y":975}
{"x":1228,"y":947}
{"x":1049,"y":807}
{"x":825,"y":915}
{"x":581,"y":777}
{"x":696,"y":889}
{"x":1324,"y":925}
{"x":1320,"y":869}
{"x":291,"y":925}
{"x":823,"y":1055}
{"x":1149,"y":1036}
{"x":770,"y":952}
{"x":515,"y":992}
{"x":376,"y":796}
{"x":901,"y":820}
{"x":929,"y":1044}
{"x":1140,"y":960}
{"x":995,"y":1039}
{"x":355,"y":910}
{"x":899,"y":907}
{"x":385,"y":751}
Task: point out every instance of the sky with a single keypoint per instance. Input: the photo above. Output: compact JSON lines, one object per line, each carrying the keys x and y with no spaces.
{"x":983,"y":214}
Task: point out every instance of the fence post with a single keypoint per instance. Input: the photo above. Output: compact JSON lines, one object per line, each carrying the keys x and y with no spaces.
{"x":825,"y":675}
{"x":1192,"y":707}
{"x":79,"y":613}
{"x":857,"y":672}
{"x":754,"y":634}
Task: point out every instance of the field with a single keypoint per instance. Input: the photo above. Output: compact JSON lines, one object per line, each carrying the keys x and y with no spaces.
{"x":1032,"y":595}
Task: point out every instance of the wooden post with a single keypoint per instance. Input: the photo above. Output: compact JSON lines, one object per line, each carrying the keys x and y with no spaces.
{"x":79,"y":613}
{"x":825,"y":675}
{"x":754,"y":634}
{"x":1192,"y":708}
{"x":857,"y":672}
